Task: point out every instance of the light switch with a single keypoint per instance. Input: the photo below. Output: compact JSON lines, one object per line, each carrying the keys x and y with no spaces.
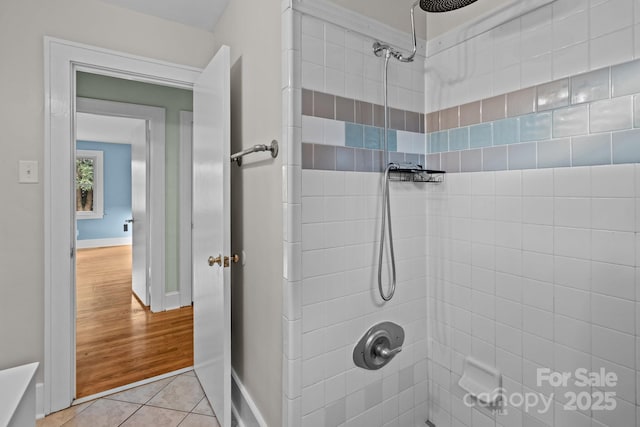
{"x":28,"y":171}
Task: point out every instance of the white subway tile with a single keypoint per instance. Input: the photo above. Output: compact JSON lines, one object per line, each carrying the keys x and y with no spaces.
{"x":613,"y":280}
{"x":572,"y":182}
{"x":613,"y":346}
{"x":614,"y":313}
{"x":573,"y":303}
{"x":537,"y":210}
{"x":537,"y":322}
{"x":313,"y":130}
{"x":573,"y":333}
{"x":609,"y":16}
{"x":537,"y":294}
{"x":625,"y":387}
{"x":572,"y":212}
{"x":312,"y":49}
{"x":571,"y":60}
{"x":572,"y":272}
{"x":537,"y":266}
{"x":613,"y":214}
{"x":572,"y":242}
{"x":537,"y":349}
{"x":613,"y":181}
{"x":613,"y":247}
{"x":537,"y":238}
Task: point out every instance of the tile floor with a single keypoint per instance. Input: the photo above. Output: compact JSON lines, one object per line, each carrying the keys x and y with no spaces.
{"x":174,"y":401}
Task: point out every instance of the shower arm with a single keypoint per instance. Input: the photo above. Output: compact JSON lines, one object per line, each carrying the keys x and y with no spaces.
{"x":380,"y":48}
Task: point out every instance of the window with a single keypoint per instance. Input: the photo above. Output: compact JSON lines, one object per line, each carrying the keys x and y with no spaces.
{"x":89,"y":184}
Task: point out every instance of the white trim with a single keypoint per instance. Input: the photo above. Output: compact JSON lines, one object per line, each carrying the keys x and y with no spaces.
{"x":185,"y":267}
{"x":61,"y":59}
{"x":130,"y":386}
{"x":483,"y":23}
{"x":155,"y":143}
{"x":172,"y":300}
{"x":98,"y":184}
{"x":39,"y":401}
{"x":355,"y":22}
{"x":243,"y":407}
{"x":103,"y":243}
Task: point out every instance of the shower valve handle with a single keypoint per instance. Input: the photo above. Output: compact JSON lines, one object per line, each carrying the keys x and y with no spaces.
{"x":385,"y":352}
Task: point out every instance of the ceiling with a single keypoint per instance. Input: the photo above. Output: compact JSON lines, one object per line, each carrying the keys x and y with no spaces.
{"x":202,"y":14}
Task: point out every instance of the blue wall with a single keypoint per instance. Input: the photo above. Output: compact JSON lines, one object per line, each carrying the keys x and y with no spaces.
{"x":117,"y":192}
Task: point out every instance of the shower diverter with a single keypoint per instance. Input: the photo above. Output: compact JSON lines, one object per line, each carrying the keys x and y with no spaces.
{"x":378,"y":346}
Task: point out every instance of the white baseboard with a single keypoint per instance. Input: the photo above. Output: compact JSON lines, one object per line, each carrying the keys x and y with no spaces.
{"x":100,"y":243}
{"x":39,"y":401}
{"x":243,"y":407}
{"x":172,"y":300}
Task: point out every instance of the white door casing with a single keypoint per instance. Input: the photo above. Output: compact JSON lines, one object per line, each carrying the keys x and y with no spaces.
{"x":186,"y":220}
{"x":62,"y":59}
{"x":148,"y":196}
{"x":211,"y":233}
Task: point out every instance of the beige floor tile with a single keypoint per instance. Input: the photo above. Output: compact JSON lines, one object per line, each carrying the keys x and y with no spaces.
{"x":204,"y":408}
{"x":182,"y":394}
{"x":59,"y":418}
{"x":190,"y":373}
{"x":141,"y":394}
{"x":157,"y":417}
{"x":103,"y":413}
{"x":197,"y":420}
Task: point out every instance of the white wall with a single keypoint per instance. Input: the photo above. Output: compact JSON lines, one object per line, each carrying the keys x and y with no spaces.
{"x":252,"y":29}
{"x":22,"y":27}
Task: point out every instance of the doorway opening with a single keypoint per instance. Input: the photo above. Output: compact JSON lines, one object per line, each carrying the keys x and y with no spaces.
{"x":134,"y":317}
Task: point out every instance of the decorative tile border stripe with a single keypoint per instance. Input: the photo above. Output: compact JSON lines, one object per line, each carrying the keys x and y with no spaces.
{"x":318,"y":104}
{"x":593,"y":102}
{"x":339,"y":158}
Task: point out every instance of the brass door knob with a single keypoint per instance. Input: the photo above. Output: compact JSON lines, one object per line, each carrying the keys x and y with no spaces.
{"x":235,"y":258}
{"x":217,"y":260}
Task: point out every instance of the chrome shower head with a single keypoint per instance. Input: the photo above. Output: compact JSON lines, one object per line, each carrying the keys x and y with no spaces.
{"x":443,"y":5}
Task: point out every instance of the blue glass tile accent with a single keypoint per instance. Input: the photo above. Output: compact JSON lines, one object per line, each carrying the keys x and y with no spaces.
{"x":554,"y":154}
{"x":353,"y":135}
{"x":626,"y":146}
{"x":392,"y":140}
{"x":439,"y":142}
{"x":535,"y":127}
{"x":522,"y":156}
{"x":372,"y":138}
{"x":459,"y":139}
{"x":591,"y":150}
{"x":481,"y":135}
{"x":506,"y":131}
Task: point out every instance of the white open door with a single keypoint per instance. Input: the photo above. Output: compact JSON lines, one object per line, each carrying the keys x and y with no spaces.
{"x":139,"y":217}
{"x":211,"y":234}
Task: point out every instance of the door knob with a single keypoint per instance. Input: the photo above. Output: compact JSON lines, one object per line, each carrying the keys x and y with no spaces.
{"x":235,"y":258}
{"x":216,"y":260}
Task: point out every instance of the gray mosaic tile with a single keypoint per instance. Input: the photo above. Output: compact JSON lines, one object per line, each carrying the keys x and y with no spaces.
{"x":624,"y":78}
{"x":324,"y":105}
{"x":433,"y":161}
{"x":345,"y":159}
{"x":521,"y":102}
{"x":396,"y":119}
{"x":364,"y":113}
{"x":307,"y":102}
{"x":450,"y":161}
{"x":412,"y":121}
{"x":449,"y":118}
{"x":591,"y":86}
{"x":553,"y":95}
{"x":324,"y":157}
{"x":494,"y":158}
{"x":493,"y":108}
{"x":570,"y":121}
{"x":522,"y":156}
{"x":554,"y":154}
{"x":364,"y":160}
{"x":591,"y":150}
{"x":471,"y":160}
{"x":626,"y":146}
{"x":396,"y":157}
{"x":307,"y":156}
{"x":470,"y":113}
{"x":433,"y":121}
{"x":611,"y":114}
{"x":345,"y":109}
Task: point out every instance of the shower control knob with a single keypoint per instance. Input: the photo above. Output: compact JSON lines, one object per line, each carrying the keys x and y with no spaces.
{"x":379,"y":345}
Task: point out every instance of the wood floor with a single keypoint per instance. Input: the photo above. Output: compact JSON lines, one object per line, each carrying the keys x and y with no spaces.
{"x":118,"y":340}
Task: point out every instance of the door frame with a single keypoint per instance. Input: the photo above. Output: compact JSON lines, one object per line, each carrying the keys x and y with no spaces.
{"x":154,"y":190}
{"x":61,"y":61}
{"x":185,"y":214}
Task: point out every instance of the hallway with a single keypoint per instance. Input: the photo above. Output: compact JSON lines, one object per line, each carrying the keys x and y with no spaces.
{"x":119,"y":341}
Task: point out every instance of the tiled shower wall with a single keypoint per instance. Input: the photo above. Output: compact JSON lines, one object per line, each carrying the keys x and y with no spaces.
{"x":537,"y":268}
{"x":341,"y":213}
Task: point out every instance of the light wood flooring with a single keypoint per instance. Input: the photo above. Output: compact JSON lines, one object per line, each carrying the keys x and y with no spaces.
{"x":118,"y":340}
